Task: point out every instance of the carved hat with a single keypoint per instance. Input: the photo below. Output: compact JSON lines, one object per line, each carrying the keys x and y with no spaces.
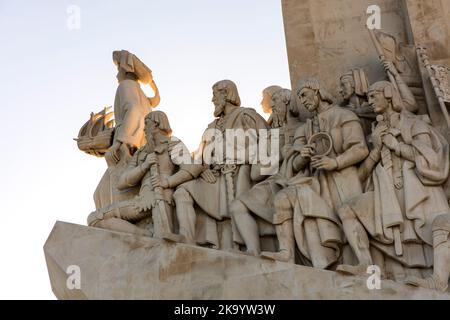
{"x":359,"y":80}
{"x":128,"y":62}
{"x":389,"y":92}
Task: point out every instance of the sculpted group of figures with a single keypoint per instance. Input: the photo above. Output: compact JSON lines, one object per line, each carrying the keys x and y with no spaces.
{"x":360,"y":183}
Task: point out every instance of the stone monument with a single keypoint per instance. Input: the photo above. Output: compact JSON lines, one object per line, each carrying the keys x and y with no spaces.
{"x":342,"y":194}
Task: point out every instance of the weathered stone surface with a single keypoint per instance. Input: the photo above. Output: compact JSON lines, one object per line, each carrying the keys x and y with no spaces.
{"x":116,"y":265}
{"x":431,"y":27}
{"x":326,"y":38}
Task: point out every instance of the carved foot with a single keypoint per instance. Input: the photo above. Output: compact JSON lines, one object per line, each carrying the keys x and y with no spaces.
{"x":186,"y":240}
{"x":284,"y":256}
{"x":432,"y":283}
{"x":172,"y":237}
{"x":237,"y":251}
{"x":359,"y":270}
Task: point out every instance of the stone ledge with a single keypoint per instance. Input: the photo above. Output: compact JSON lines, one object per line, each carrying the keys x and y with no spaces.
{"x":116,"y":265}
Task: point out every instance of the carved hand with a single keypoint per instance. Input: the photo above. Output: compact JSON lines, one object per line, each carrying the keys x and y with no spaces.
{"x":159,"y":181}
{"x":390,"y":141}
{"x":324,"y":162}
{"x":150,"y":160}
{"x":307,"y":151}
{"x":112,"y":156}
{"x":389,"y":67}
{"x":208,"y":176}
{"x":377,"y":135}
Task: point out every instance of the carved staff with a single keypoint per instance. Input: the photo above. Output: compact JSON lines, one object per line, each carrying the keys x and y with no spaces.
{"x":229,"y":170}
{"x":382,"y":56}
{"x":385,"y":152}
{"x":160,"y":203}
{"x":388,"y":165}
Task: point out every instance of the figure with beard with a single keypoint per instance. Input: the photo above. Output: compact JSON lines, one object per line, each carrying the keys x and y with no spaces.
{"x":253,"y":210}
{"x":153,"y":172}
{"x":219,"y":182}
{"x":306,"y":209}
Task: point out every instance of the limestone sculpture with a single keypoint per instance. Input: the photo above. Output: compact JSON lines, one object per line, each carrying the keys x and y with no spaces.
{"x":151,"y":168}
{"x":357,"y":184}
{"x":253,"y":210}
{"x":131,"y":106}
{"x":306,"y":207}
{"x":407,"y":166}
{"x":441,"y":246}
{"x":221,"y":179}
{"x":353,"y":89}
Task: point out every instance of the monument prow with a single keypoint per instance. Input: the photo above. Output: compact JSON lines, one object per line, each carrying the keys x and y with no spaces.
{"x":116,"y":265}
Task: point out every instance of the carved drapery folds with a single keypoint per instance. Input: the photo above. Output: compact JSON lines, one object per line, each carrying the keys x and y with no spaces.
{"x":361,"y":182}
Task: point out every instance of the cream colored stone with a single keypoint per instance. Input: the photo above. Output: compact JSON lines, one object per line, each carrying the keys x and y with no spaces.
{"x":117,"y":265}
{"x":347,"y":196}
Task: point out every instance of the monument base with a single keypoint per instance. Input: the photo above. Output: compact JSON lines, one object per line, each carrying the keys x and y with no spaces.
{"x":115,"y":265}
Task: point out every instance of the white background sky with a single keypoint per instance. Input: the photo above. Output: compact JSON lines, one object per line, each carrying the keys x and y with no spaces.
{"x":52,"y":78}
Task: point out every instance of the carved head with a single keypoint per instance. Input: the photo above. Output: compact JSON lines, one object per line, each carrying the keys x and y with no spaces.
{"x":353,"y":82}
{"x":156,"y":122}
{"x":347,"y":86}
{"x":130,"y":67}
{"x":224,"y":92}
{"x":311,"y":92}
{"x":281,"y":102}
{"x":267,"y":102}
{"x":383,"y":97}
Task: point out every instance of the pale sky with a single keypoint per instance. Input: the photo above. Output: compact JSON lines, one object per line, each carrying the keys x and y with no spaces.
{"x":53,"y":77}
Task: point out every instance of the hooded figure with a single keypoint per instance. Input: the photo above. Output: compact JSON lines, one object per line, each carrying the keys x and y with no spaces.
{"x":131,"y":105}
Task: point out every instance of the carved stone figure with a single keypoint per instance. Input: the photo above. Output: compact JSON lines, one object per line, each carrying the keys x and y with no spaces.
{"x":353,"y":89}
{"x":284,"y":113}
{"x":267,"y":103}
{"x":404,"y":57}
{"x":220,"y":181}
{"x":286,"y":109}
{"x":407,"y":100}
{"x":361,"y":183}
{"x":390,"y":225}
{"x":131,"y":106}
{"x":253,"y":210}
{"x":275,"y":103}
{"x":153,"y":172}
{"x":326,"y":177}
{"x":441,"y":247}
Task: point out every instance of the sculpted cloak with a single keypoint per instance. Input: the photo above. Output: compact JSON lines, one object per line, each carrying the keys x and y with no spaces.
{"x":406,"y":193}
{"x":316,"y":195}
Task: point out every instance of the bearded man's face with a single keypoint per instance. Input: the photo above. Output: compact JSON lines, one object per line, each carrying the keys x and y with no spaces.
{"x":220,"y":101}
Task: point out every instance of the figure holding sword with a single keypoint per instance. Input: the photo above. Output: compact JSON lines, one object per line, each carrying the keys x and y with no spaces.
{"x":152,"y":168}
